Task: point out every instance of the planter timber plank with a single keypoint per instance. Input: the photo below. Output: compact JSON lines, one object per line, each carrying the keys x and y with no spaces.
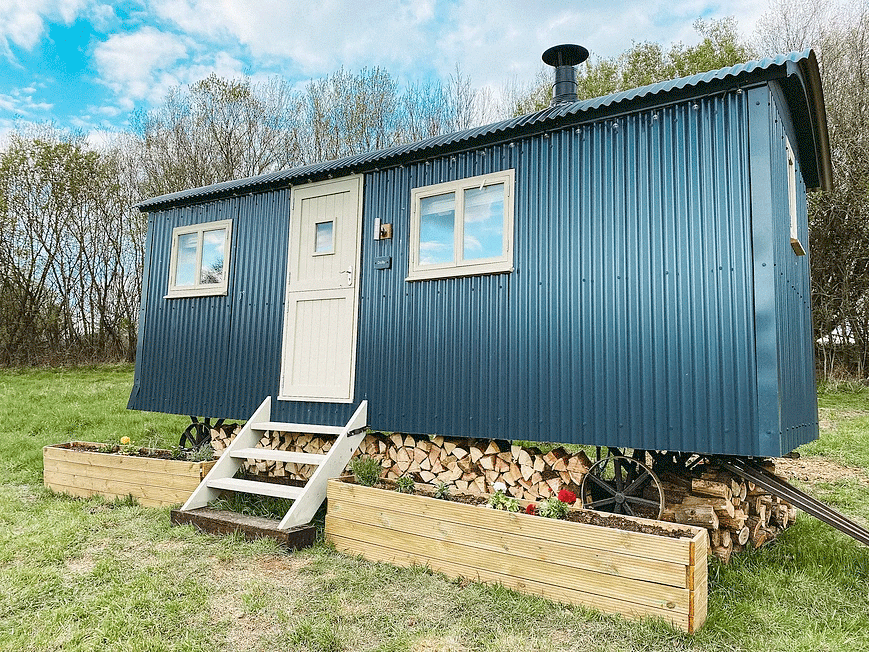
{"x":616,"y":571}
{"x":153,"y":482}
{"x":515,"y":543}
{"x":128,"y":462}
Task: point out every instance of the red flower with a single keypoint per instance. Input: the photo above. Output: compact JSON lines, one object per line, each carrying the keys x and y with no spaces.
{"x":567,"y":496}
{"x":530,"y":509}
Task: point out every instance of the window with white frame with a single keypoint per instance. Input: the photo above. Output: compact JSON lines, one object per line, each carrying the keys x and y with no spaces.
{"x":462,"y":227}
{"x":200,"y":259}
{"x":796,"y":245}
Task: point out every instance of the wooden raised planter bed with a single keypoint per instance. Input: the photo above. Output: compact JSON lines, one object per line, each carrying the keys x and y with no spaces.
{"x":612,"y":570}
{"x":154,"y":482}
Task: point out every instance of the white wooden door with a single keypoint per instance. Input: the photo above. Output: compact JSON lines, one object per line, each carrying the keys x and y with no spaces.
{"x":319,"y":347}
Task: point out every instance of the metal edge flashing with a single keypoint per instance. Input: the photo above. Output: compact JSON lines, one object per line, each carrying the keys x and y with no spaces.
{"x":549,"y":119}
{"x":807,"y":71}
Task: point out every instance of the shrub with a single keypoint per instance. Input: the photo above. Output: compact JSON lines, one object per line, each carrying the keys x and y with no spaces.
{"x":366,"y":469}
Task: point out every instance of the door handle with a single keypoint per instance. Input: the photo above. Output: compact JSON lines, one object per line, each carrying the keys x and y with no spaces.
{"x":349,"y":273}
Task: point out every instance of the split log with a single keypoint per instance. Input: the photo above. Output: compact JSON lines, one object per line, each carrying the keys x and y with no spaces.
{"x":703,"y":515}
{"x":723,"y":553}
{"x":711,"y":488}
{"x":721,"y":507}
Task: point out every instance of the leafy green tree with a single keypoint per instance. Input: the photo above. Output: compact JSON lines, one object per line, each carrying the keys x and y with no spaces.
{"x":215,"y":130}
{"x":839,"y":219}
{"x":645,"y":63}
{"x":66,"y":260}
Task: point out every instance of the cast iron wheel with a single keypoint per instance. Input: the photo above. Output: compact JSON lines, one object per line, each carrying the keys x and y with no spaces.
{"x":622,"y":485}
{"x":198,"y":433}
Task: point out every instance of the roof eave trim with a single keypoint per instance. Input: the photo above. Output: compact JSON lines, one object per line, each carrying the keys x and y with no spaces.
{"x":808,"y":71}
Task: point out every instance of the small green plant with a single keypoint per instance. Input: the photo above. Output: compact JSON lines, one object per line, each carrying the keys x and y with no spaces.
{"x":127,"y":447}
{"x":124,"y":501}
{"x":204,"y":453}
{"x":253,"y":505}
{"x":366,"y":469}
{"x":500,"y":499}
{"x":405,"y":485}
{"x":151,"y":448}
{"x":442,"y":491}
{"x":552,"y":508}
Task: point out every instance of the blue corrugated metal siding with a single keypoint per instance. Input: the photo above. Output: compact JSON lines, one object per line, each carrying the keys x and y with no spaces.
{"x":628,"y":318}
{"x":798,"y":392}
{"x":220,"y":356}
{"x":186,"y":340}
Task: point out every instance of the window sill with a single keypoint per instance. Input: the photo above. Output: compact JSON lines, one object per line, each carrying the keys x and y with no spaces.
{"x":501,"y":267}
{"x":206,"y":292}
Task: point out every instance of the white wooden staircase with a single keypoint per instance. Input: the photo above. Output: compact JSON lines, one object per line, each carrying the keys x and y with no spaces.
{"x":307,"y":499}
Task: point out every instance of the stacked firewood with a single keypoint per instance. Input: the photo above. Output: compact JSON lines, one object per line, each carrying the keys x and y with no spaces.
{"x":464,"y":465}
{"x":475,"y":465}
{"x":735,"y":511}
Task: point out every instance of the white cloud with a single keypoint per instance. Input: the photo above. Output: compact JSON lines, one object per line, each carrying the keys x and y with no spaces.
{"x":144,"y":65}
{"x":134,"y":64}
{"x":20,"y":102}
{"x":316,"y":38}
{"x":22,"y":22}
{"x":491,"y":43}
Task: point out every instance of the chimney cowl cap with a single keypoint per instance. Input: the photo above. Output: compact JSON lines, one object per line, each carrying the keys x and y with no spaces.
{"x":565,"y":55}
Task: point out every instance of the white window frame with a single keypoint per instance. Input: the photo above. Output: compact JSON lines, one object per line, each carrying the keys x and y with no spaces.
{"x":796,"y":245}
{"x":199,"y":289}
{"x":458,"y":267}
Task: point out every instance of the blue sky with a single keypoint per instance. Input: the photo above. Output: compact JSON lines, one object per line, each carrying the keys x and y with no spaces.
{"x":87,"y":64}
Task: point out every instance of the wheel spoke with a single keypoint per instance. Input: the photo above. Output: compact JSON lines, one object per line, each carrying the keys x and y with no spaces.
{"x":643,"y":501}
{"x":601,"y":483}
{"x":620,"y":483}
{"x":636,"y":483}
{"x":628,"y":509}
{"x":600,"y":503}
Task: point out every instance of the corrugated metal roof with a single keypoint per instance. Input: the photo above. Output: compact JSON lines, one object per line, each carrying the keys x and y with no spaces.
{"x":803,"y":63}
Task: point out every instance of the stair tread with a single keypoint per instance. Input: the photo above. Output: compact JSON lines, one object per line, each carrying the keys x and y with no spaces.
{"x":254,"y":487}
{"x":294,"y":457}
{"x":306,"y":428}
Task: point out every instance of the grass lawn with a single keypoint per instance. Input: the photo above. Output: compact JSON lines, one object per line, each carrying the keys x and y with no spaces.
{"x":92,"y":575}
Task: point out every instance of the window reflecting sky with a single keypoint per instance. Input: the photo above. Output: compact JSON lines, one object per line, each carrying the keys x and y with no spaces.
{"x":437,"y":217}
{"x":185,"y":267}
{"x":484,"y":222}
{"x":213,"y":244}
{"x":324,"y":241}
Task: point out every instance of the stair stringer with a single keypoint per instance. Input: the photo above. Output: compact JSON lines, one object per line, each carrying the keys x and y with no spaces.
{"x":304,"y":508}
{"x":227,"y":466}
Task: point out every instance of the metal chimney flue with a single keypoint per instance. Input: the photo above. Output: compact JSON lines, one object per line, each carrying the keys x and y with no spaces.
{"x":563,"y":58}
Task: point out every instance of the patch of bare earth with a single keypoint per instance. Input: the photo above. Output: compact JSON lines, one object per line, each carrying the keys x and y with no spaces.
{"x":819,"y":469}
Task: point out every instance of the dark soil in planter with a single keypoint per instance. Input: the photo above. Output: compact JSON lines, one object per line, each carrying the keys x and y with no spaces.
{"x":575,"y":515}
{"x":114,"y":449}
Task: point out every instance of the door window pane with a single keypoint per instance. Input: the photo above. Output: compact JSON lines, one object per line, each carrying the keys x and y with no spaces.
{"x":437,"y":217}
{"x":185,"y":266}
{"x":484,"y":222}
{"x":324,"y":242}
{"x":213,"y":244}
